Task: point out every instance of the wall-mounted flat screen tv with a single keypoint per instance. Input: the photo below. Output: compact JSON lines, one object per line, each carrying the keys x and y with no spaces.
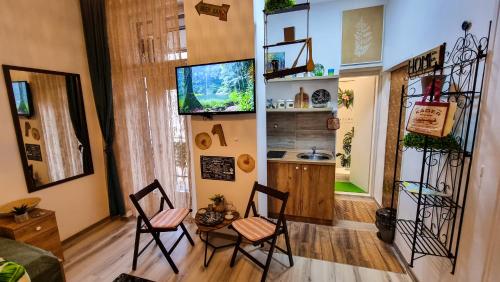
{"x":22,"y":96}
{"x":216,"y":88}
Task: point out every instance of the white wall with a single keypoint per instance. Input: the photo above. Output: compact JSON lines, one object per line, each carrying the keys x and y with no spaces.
{"x":422,"y":25}
{"x":49,"y":35}
{"x":260,"y":90}
{"x":380,"y":134}
{"x":360,"y":116}
{"x":415,"y":26}
{"x":325,"y":29}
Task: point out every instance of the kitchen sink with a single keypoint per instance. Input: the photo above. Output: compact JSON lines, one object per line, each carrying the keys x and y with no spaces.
{"x":315,"y":156}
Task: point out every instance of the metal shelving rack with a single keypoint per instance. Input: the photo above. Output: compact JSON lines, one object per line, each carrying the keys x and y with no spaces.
{"x":436,"y":226}
{"x":282,"y":73}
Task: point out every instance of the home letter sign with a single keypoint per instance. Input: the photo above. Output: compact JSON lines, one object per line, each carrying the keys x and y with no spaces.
{"x":427,"y":61}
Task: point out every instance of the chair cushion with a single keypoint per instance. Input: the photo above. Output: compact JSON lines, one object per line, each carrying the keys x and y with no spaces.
{"x":169,"y":218}
{"x":254,"y":228}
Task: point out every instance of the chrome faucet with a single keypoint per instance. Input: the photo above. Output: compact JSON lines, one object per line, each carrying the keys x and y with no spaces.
{"x":314,"y":150}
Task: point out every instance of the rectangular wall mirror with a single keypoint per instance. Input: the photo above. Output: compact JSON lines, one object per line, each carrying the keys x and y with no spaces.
{"x":51,"y":127}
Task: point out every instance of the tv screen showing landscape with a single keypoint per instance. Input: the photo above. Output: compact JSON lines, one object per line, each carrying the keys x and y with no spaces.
{"x":22,"y":97}
{"x":227,"y":87}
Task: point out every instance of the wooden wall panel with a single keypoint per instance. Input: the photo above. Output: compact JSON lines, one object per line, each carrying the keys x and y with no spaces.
{"x":398,"y":79}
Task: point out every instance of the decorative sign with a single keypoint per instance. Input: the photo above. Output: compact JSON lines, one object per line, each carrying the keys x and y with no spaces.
{"x":217,"y":168}
{"x":213,"y":10}
{"x":33,"y":152}
{"x":217,"y":129}
{"x":427,"y":62}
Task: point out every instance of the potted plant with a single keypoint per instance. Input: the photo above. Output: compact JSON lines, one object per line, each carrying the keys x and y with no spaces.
{"x":273,"y":5}
{"x":20,"y":213}
{"x":219,"y":202}
{"x":345,"y":158}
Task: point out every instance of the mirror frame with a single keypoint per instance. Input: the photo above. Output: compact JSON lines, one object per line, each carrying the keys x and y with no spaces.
{"x":17,"y":126}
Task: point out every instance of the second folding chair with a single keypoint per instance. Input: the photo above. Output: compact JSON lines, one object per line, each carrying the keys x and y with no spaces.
{"x":260,"y":230}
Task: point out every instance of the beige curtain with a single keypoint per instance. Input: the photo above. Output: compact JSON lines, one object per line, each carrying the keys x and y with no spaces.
{"x":151,"y":139}
{"x":64,"y":159}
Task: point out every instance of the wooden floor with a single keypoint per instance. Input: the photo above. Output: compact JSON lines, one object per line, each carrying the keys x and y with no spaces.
{"x":105,"y":252}
{"x":353,"y":245}
{"x":360,"y":209}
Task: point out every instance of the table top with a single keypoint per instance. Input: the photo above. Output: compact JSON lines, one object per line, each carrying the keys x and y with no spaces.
{"x":36,"y":215}
{"x":226,"y":222}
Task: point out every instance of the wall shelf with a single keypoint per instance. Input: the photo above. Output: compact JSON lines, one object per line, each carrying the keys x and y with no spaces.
{"x":309,"y":78}
{"x":300,"y":110}
{"x":294,"y":8}
{"x":283,"y":43}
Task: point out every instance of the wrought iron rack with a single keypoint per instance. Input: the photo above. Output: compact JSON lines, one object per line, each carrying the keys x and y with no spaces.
{"x":434,"y":225}
{"x":306,"y":42}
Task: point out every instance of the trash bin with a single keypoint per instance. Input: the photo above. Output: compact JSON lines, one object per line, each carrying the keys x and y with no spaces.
{"x":386,"y":224}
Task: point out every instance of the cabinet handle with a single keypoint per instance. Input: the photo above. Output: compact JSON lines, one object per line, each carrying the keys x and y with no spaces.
{"x":38,"y":228}
{"x":305,"y":168}
{"x":296,"y":167}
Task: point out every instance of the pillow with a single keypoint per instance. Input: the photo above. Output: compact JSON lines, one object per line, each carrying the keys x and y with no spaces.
{"x":12,"y":272}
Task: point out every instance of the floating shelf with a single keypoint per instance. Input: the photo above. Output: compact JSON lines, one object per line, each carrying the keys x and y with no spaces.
{"x":309,"y":78}
{"x":285,"y":72}
{"x":428,"y":200}
{"x":294,"y":8}
{"x":299,"y":110}
{"x":427,"y":243}
{"x":286,"y":43}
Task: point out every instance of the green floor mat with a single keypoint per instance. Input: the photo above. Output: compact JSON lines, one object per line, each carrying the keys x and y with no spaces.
{"x":347,"y":187}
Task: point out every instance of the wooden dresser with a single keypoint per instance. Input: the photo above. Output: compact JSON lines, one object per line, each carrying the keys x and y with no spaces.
{"x":40,"y":231}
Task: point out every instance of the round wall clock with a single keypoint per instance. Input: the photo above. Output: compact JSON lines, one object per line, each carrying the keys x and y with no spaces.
{"x":320,"y":98}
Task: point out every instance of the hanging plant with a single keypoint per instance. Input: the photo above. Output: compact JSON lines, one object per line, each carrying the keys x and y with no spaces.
{"x":345,"y":158}
{"x":346,"y":98}
{"x":273,"y":5}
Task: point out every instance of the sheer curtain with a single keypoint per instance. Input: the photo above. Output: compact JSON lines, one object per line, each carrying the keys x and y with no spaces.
{"x":151,"y":139}
{"x":64,"y":158}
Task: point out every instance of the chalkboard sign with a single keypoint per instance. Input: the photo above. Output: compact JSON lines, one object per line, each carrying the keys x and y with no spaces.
{"x":217,"y":168}
{"x":33,"y":152}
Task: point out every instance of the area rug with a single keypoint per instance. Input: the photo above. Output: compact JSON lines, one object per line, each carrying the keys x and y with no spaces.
{"x":348,"y":187}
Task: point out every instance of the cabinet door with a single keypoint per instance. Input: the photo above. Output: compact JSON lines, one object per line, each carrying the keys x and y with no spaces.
{"x":284,"y":177}
{"x":317,"y":193}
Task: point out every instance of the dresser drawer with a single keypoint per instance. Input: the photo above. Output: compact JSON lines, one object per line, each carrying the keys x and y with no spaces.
{"x":33,"y":230}
{"x":48,"y":240}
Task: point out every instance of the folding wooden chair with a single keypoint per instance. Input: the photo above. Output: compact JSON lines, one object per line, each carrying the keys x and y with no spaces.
{"x":260,"y":230}
{"x":163,"y":221}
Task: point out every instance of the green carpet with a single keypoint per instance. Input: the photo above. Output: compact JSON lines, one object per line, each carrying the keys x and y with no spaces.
{"x":347,"y":187}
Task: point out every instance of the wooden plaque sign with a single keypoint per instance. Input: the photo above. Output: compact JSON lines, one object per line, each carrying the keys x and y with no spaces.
{"x":427,"y":62}
{"x":213,"y":10}
{"x":217,"y":168}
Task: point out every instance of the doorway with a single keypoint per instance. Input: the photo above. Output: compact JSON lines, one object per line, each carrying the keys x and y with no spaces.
{"x":354,"y":141}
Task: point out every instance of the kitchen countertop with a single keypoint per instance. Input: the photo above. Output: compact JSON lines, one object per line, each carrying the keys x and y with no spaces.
{"x":291,"y":157}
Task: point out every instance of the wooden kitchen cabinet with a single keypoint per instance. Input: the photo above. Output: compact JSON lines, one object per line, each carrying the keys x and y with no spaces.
{"x":310,"y":186}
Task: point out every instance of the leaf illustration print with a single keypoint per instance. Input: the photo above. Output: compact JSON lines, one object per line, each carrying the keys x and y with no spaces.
{"x":362,"y":38}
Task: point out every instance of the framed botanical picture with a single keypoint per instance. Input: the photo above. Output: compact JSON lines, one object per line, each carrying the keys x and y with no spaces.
{"x":362,"y":32}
